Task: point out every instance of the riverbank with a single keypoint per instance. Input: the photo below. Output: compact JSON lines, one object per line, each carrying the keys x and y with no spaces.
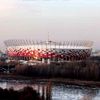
{"x":85,"y":73}
{"x":83,"y":70}
{"x":51,"y":80}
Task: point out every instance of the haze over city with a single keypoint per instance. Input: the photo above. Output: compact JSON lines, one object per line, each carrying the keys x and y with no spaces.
{"x":62,"y":19}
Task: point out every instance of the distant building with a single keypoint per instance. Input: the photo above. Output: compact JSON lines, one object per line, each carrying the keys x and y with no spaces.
{"x":48,"y":51}
{"x":0,"y":54}
{"x":96,"y":53}
{"x":3,"y":56}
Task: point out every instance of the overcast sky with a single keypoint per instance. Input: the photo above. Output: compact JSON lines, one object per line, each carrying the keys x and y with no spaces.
{"x":63,"y":19}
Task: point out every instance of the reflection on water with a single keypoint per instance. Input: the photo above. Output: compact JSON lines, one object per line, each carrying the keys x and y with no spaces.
{"x":58,"y":91}
{"x":66,"y":92}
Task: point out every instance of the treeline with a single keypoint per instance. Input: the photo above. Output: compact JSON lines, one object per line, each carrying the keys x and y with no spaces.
{"x":27,"y":93}
{"x":85,"y":70}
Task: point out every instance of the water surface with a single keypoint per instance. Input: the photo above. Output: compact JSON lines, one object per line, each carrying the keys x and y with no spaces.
{"x":58,"y":91}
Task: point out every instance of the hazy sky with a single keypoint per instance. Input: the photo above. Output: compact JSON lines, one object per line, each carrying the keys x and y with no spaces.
{"x":63,"y":19}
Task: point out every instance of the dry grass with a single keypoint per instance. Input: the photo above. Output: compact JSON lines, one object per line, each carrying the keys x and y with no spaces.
{"x":87,"y":70}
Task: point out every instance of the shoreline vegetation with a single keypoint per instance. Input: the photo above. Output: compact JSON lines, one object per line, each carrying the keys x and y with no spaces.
{"x":85,"y":73}
{"x":85,"y":70}
{"x":27,"y":93}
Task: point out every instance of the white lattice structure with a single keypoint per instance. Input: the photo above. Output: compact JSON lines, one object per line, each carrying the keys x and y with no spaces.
{"x":54,"y":51}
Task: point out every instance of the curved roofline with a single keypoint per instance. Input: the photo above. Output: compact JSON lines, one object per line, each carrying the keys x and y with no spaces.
{"x":22,"y":42}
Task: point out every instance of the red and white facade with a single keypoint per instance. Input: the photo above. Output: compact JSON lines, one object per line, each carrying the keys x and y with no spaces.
{"x":55,"y":51}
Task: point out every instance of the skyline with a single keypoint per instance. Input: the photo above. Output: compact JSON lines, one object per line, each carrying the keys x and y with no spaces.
{"x":62,"y":19}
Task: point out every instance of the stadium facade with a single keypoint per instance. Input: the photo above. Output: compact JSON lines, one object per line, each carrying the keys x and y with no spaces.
{"x":48,"y":50}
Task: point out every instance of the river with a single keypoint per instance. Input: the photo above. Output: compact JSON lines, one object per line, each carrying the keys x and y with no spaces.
{"x":59,"y":91}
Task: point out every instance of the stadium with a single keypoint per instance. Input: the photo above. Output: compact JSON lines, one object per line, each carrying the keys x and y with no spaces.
{"x":48,"y":51}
